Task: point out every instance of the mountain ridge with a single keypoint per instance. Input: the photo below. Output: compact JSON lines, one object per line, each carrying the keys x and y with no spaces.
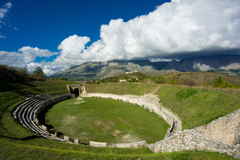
{"x":226,"y":64}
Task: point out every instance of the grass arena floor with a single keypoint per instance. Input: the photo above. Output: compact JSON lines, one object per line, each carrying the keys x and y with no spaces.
{"x":105,"y":120}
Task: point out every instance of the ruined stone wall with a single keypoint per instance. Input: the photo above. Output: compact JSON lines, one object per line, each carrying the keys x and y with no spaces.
{"x":189,"y":140}
{"x":81,"y":88}
{"x":223,"y":129}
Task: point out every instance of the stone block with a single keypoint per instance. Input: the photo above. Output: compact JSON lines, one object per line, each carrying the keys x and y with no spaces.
{"x":98,"y":144}
{"x":66,"y":138}
{"x":76,"y":141}
{"x":44,"y":128}
{"x":36,"y":121}
{"x":123,"y":145}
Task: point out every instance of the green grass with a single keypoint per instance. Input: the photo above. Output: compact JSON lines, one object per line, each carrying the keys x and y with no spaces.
{"x":106,"y":120}
{"x":17,"y":142}
{"x":195,"y":106}
{"x":122,"y":88}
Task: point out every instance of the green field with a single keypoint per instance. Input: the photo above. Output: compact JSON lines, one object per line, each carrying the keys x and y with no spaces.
{"x":106,"y":120}
{"x":17,"y":142}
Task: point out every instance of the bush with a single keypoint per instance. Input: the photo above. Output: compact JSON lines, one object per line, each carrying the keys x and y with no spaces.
{"x":63,"y":79}
{"x":172,"y":80}
{"x":218,"y":82}
{"x":159,"y":80}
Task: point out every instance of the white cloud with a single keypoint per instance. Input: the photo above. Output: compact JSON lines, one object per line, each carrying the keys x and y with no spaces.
{"x":5,"y":9}
{"x":3,"y":13}
{"x":49,"y":68}
{"x":175,"y":29}
{"x":25,"y":57}
{"x":181,"y":26}
{"x":202,"y":67}
{"x":2,"y":36}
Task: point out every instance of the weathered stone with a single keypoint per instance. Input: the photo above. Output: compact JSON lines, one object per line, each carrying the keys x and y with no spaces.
{"x":44,"y":128}
{"x":76,"y":141}
{"x":98,"y":144}
{"x":66,"y":138}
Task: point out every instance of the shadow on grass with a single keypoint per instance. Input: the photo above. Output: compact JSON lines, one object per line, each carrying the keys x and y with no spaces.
{"x":42,"y":115}
{"x":13,"y":86}
{"x":22,"y":139}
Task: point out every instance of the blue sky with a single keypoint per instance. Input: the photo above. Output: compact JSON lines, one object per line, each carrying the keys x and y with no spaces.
{"x":56,"y":34}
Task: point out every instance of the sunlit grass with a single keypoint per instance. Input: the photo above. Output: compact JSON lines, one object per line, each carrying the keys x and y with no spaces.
{"x":106,"y":120}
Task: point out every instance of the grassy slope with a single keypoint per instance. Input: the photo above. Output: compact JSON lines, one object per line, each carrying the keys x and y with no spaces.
{"x":17,"y":142}
{"x":123,"y":88}
{"x":106,"y":120}
{"x":200,"y":108}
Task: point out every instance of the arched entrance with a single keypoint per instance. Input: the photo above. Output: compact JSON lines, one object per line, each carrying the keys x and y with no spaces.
{"x":76,"y":91}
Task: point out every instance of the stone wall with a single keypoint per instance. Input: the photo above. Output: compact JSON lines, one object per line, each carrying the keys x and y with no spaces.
{"x":81,"y":88}
{"x":51,"y":101}
{"x":119,"y":145}
{"x":223,"y":129}
{"x":189,"y":140}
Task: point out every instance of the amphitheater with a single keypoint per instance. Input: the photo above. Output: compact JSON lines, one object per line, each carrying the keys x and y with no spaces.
{"x":221,"y":135}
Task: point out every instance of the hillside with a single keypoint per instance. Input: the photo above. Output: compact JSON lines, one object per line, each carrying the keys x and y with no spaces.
{"x":226,"y":64}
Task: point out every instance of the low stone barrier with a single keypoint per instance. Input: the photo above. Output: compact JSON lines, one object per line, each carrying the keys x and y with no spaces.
{"x":119,"y":145}
{"x":66,"y":138}
{"x":131,"y":145}
{"x":97,"y":144}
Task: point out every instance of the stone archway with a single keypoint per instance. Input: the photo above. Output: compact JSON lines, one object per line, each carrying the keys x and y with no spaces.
{"x":76,"y":89}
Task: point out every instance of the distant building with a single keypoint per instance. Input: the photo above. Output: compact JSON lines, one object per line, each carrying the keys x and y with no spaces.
{"x":122,"y":80}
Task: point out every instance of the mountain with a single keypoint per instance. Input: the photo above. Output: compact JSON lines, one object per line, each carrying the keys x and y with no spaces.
{"x":226,"y":64}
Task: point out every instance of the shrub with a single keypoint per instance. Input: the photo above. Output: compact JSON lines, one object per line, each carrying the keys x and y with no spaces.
{"x":172,"y":80}
{"x":159,"y":79}
{"x":205,"y":84}
{"x":63,"y":79}
{"x":218,"y":82}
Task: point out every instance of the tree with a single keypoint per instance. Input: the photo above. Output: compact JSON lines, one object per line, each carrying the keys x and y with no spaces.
{"x":63,"y":79}
{"x":218,"y":82}
{"x":39,"y":72}
{"x":160,"y":79}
